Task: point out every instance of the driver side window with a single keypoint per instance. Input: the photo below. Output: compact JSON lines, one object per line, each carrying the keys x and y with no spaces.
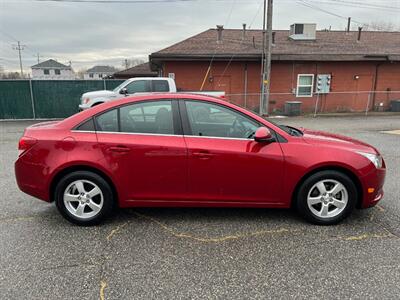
{"x":140,"y":86}
{"x":207,"y":119}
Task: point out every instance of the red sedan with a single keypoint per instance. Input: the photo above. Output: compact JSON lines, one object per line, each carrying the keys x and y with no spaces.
{"x":192,"y":150}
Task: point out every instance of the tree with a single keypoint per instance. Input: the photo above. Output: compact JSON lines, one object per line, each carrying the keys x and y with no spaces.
{"x":378,"y":26}
{"x":129,"y":63}
{"x":79,"y":73}
{"x":11,"y":75}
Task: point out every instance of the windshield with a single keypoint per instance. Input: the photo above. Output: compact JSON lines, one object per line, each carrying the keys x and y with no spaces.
{"x":288,"y":129}
{"x":116,"y":90}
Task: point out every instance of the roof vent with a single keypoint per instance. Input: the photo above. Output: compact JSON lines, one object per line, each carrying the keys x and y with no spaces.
{"x":220,"y":28}
{"x":302,"y":31}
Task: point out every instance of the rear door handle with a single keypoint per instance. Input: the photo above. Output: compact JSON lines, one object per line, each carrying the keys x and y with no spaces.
{"x":119,"y":149}
{"x":202,"y":154}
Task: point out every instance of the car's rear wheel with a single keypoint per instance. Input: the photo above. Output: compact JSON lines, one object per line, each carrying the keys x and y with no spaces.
{"x":84,"y":198}
{"x":326,"y":197}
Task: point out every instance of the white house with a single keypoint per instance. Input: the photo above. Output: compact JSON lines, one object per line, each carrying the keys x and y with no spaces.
{"x":99,"y":72}
{"x":52,"y":70}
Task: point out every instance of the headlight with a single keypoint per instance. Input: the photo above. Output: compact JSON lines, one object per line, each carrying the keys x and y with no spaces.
{"x":374,"y":158}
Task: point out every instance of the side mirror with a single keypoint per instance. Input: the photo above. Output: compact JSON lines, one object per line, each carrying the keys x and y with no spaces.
{"x":123,"y":91}
{"x":263,"y":135}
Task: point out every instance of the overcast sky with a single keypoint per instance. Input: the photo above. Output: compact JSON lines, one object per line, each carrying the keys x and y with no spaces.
{"x":106,"y":33}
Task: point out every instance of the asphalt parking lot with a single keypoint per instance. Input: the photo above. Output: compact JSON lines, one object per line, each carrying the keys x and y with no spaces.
{"x":203,"y":253}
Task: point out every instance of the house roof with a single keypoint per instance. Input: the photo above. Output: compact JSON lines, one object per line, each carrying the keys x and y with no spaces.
{"x":50,"y":64}
{"x":328,"y":46}
{"x":139,"y":70}
{"x":102,"y":69}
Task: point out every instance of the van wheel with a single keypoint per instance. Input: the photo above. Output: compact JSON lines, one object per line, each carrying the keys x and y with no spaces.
{"x":84,"y":198}
{"x":326,"y":197}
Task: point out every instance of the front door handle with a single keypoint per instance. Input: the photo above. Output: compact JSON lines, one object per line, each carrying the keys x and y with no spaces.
{"x":119,"y":149}
{"x":202,"y":154}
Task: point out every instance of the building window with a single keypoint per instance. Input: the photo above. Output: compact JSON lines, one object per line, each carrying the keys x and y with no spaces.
{"x":57,"y":72}
{"x":305,"y":84}
{"x":298,"y":28}
{"x":90,"y":75}
{"x":46,"y":72}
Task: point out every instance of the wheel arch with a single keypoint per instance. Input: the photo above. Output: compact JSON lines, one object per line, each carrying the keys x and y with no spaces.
{"x":341,"y":169}
{"x":61,"y":173}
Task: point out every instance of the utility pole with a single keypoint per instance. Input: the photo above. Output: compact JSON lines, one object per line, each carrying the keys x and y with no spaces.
{"x":126,"y":63}
{"x":38,"y":57}
{"x":19,"y":47}
{"x":263,"y":61}
{"x":264,"y":107}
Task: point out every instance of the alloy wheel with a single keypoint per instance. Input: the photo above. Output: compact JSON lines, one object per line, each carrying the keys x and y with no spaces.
{"x":83,"y":199}
{"x":327,"y":198}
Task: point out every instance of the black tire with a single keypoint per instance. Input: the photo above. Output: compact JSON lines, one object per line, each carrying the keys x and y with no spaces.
{"x":107,"y":203}
{"x":307,"y":185}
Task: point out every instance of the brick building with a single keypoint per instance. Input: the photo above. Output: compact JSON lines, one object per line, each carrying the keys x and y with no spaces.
{"x":364,"y":66}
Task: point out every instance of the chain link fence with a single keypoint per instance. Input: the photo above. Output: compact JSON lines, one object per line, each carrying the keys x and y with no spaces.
{"x":35,"y":99}
{"x":333,"y":102}
{"x":44,"y":99}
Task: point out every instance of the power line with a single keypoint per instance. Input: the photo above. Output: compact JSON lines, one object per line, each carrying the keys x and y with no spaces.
{"x":309,"y":5}
{"x":130,"y":1}
{"x":359,"y":4}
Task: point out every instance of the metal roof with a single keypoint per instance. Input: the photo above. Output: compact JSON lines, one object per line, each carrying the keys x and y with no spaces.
{"x":328,"y":46}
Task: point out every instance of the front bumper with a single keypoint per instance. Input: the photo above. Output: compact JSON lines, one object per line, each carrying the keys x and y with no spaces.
{"x":374,"y":180}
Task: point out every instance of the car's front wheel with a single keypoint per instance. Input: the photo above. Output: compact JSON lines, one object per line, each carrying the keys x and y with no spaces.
{"x":326,"y":197}
{"x":83,"y":198}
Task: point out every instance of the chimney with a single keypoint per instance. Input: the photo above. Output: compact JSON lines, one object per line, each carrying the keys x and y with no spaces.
{"x":273,"y":37}
{"x":220,"y":28}
{"x":359,"y":33}
{"x":244,"y":32}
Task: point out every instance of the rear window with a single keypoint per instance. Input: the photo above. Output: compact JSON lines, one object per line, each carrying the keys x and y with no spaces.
{"x":160,"y":86}
{"x":87,"y":126}
{"x":107,"y":121}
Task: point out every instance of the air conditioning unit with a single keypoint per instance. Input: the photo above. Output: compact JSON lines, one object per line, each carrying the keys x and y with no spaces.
{"x":303,"y":31}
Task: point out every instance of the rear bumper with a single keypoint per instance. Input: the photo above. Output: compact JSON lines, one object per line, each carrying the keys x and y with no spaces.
{"x":374,"y":180}
{"x":30,"y":179}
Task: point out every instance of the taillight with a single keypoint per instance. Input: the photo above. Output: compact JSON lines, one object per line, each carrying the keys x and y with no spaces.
{"x":25,"y":143}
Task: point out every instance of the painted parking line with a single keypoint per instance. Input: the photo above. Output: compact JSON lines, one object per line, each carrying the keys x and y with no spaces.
{"x":392,"y":131}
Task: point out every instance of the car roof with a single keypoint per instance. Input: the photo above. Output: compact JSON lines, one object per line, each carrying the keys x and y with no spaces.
{"x":81,"y":116}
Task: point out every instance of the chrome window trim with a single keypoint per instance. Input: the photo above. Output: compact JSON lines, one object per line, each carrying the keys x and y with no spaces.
{"x":131,"y":133}
{"x":84,"y":131}
{"x":218,"y":137}
{"x":161,"y":134}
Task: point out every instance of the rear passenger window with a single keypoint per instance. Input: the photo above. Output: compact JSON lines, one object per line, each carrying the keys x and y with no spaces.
{"x":160,"y":86}
{"x":87,"y":126}
{"x":107,"y":121}
{"x":147,"y":117}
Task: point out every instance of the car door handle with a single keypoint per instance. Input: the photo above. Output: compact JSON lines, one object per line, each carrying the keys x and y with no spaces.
{"x":119,"y":149}
{"x":201,"y":154}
